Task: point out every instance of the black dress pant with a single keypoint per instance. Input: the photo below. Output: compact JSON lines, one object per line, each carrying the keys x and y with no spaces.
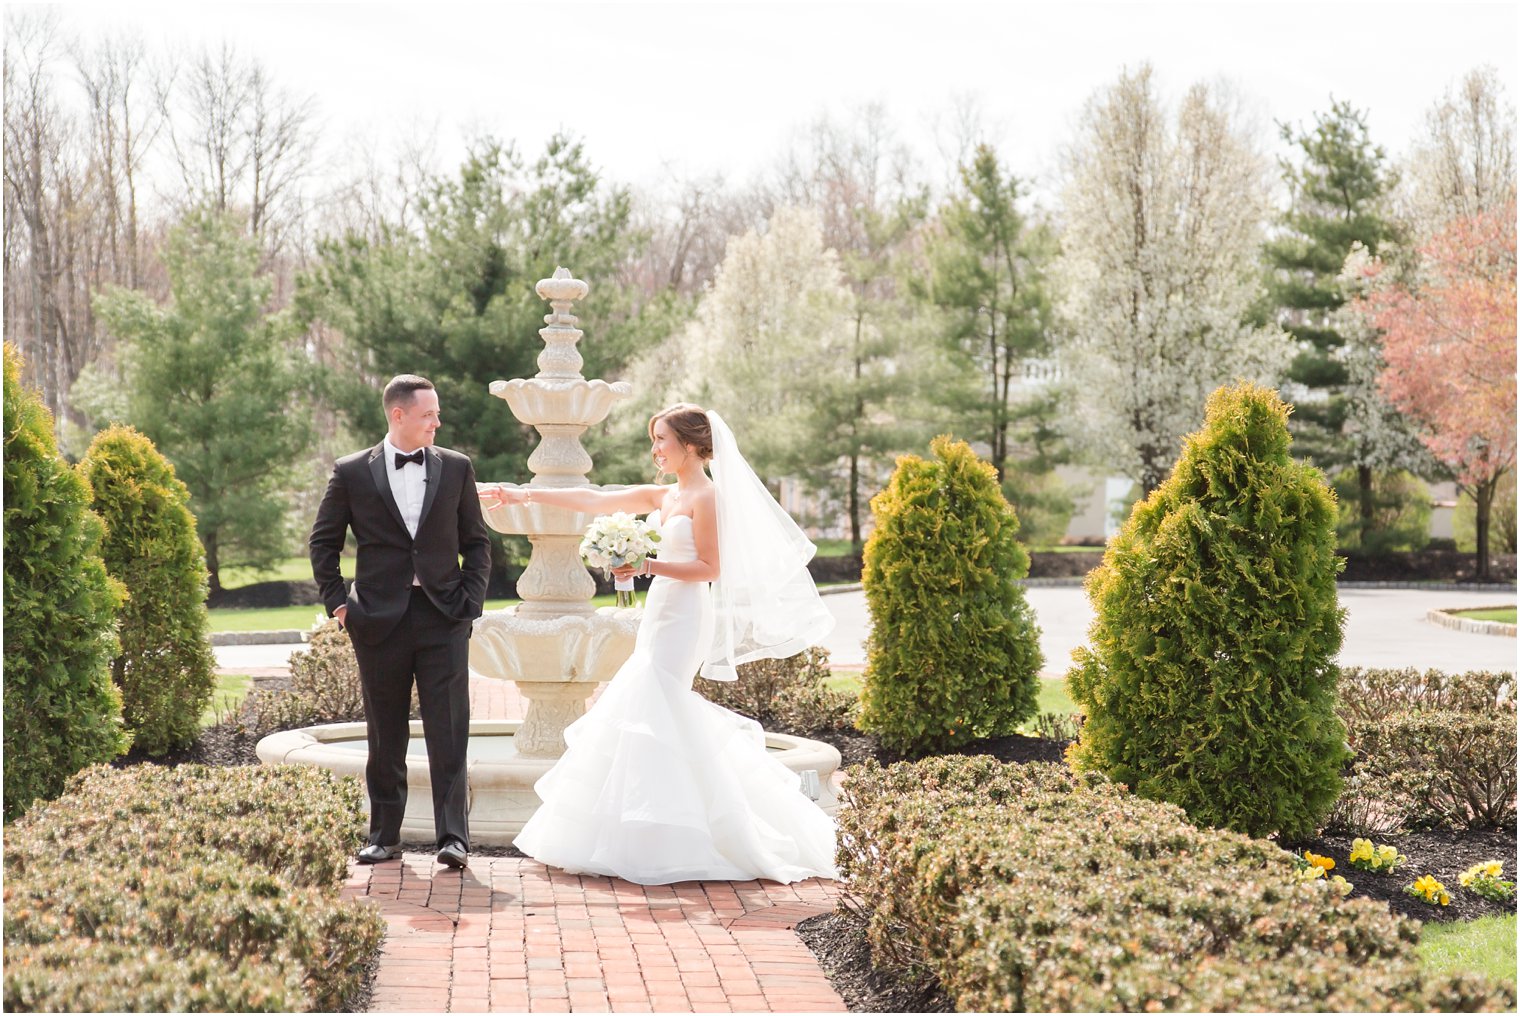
{"x":433,"y":649}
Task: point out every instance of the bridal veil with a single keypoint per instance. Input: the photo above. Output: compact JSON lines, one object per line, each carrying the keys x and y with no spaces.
{"x":765,"y":603}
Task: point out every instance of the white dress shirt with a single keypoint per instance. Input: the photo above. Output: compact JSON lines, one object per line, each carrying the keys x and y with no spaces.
{"x":408,"y":485}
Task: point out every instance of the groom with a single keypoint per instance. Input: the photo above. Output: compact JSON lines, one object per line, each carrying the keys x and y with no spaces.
{"x":414,"y":512}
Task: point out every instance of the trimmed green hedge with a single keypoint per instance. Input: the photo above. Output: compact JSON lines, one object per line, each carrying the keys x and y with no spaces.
{"x":189,"y":888}
{"x":1031,"y":888}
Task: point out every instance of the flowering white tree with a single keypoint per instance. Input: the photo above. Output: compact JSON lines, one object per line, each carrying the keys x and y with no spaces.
{"x":770,"y":336}
{"x":1159,"y":272}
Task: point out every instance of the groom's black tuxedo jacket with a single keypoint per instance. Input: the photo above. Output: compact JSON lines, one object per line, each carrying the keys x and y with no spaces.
{"x":450,"y":526}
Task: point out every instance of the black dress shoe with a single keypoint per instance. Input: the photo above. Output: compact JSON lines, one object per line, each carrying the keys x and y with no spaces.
{"x":454,"y":855}
{"x":374,"y":853}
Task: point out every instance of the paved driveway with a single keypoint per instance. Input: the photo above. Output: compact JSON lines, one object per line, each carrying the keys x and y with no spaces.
{"x":1384,"y":628}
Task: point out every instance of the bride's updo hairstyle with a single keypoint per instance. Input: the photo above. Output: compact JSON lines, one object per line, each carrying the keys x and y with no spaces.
{"x":690,"y":426}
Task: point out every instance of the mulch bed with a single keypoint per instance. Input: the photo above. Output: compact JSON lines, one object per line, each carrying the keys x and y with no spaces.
{"x":838,"y":941}
{"x":1439,"y":852}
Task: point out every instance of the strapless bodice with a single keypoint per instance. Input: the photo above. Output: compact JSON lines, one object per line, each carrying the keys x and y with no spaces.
{"x":677,"y":544}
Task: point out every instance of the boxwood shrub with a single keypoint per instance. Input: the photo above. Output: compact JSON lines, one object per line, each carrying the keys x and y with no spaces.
{"x":153,"y":876}
{"x":789,"y":693}
{"x":1431,"y":750}
{"x":1030,"y":888}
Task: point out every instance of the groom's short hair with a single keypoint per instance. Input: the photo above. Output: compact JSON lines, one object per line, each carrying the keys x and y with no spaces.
{"x":401,"y":389}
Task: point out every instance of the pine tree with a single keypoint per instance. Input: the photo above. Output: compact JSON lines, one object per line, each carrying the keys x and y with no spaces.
{"x":1340,"y":187}
{"x":986,"y":272}
{"x":1210,"y":676}
{"x":213,"y":381}
{"x":166,"y":671}
{"x":62,"y":712}
{"x":954,"y":652}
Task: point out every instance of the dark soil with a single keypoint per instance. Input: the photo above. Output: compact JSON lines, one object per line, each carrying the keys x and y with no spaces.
{"x":226,"y":744}
{"x":1439,"y":852}
{"x":855,"y":747}
{"x":838,"y":940}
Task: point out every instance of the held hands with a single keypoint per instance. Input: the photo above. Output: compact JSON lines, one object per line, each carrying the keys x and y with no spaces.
{"x":501,"y":496}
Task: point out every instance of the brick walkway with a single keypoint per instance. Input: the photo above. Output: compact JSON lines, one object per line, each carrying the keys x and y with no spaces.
{"x":511,"y":935}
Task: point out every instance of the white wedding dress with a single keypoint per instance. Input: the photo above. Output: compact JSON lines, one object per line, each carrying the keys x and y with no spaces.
{"x":660,"y":785}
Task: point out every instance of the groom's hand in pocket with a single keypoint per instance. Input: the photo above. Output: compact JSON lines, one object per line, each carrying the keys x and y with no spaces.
{"x":342,"y":616}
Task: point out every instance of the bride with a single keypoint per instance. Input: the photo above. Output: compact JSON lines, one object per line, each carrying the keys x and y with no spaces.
{"x":658,"y":784}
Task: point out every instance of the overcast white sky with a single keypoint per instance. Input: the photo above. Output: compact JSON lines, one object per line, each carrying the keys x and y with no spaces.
{"x":695,"y":88}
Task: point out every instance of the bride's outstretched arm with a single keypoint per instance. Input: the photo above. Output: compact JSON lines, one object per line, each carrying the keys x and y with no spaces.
{"x":643,"y":498}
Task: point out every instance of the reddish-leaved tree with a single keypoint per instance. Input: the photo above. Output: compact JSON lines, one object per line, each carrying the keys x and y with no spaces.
{"x":1449,"y":346}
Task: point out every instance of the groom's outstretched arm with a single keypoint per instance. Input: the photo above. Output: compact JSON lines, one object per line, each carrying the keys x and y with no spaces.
{"x":474,"y":543}
{"x":328,"y":534}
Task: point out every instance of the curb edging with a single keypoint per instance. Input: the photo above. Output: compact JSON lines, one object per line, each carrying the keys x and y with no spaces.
{"x":1446,"y":619}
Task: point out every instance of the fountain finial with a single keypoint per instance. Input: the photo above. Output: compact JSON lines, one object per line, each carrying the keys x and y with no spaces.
{"x":560,"y":358}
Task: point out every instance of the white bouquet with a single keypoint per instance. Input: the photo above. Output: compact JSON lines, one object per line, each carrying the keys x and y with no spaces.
{"x":615,"y":540}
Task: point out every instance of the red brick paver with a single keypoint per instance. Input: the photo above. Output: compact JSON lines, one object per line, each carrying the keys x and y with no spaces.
{"x":511,"y":935}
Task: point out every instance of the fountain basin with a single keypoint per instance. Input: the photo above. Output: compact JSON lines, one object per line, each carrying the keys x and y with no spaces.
{"x":501,"y":797}
{"x":573,"y":402}
{"x":556,"y":662}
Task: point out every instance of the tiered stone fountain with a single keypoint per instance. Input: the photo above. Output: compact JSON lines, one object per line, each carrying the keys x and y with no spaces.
{"x":554,"y":645}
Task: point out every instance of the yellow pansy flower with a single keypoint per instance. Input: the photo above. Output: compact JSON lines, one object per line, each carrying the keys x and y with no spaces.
{"x":1316,"y":861}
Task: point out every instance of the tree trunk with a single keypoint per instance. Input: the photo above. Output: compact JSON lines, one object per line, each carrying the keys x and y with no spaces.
{"x":213,"y":561}
{"x":1365,"y":502}
{"x":856,"y":545}
{"x":1483,"y":502}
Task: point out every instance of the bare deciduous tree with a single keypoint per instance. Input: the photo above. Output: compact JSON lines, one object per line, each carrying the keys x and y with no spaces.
{"x":239,"y":142}
{"x":1465,"y":165}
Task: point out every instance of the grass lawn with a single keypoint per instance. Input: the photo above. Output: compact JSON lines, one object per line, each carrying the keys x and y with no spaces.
{"x":1484,"y":946}
{"x":1505,"y":615}
{"x":291,"y":569}
{"x":1052,"y":699}
{"x":842,"y":548}
{"x":231,"y":689}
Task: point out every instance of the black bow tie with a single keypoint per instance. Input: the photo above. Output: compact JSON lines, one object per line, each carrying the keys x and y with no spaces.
{"x":402,"y":460}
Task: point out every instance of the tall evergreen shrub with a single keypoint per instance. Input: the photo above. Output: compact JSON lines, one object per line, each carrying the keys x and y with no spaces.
{"x":954,"y":653}
{"x":62,"y":712}
{"x":166,"y":672}
{"x":1210,"y":678}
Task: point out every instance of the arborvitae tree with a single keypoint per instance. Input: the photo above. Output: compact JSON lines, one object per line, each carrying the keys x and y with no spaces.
{"x":62,"y":712}
{"x":166,"y":671}
{"x":954,"y":652}
{"x":1210,"y":676}
{"x":1340,"y":188}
